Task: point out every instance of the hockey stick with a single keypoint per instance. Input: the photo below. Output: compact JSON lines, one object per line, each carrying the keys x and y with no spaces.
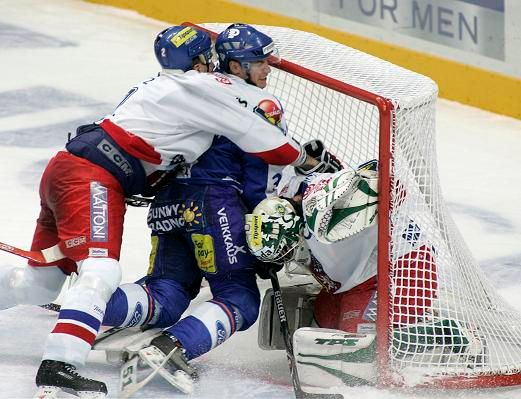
{"x":43,"y":256}
{"x":47,"y":255}
{"x":284,"y":329}
{"x":107,"y":334}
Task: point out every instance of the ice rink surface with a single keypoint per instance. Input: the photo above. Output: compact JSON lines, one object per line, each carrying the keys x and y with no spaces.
{"x":66,"y":62}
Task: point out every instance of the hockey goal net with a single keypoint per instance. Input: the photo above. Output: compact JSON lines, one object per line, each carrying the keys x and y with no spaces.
{"x":439,"y":321}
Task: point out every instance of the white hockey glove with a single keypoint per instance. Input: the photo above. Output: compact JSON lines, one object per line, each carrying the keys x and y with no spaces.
{"x":328,"y":163}
{"x":342,"y":205}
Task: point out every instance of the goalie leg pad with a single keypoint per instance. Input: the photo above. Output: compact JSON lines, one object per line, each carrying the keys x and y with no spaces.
{"x":448,"y":340}
{"x":299,"y":302}
{"x":327,"y":358}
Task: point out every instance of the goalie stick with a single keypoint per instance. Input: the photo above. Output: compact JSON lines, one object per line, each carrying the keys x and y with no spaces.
{"x":43,"y":256}
{"x":284,"y":329}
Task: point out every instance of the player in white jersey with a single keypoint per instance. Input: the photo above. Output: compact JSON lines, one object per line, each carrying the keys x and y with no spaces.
{"x":161,"y":123}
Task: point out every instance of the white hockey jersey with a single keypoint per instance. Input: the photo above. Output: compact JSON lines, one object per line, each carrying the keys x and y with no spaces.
{"x":177,"y":115}
{"x":350,"y":262}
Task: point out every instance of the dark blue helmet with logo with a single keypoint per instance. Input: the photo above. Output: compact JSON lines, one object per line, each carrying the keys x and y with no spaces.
{"x":243,"y":43}
{"x":177,"y":46}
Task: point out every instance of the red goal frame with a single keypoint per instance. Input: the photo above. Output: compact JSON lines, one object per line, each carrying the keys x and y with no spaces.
{"x":386,"y":111}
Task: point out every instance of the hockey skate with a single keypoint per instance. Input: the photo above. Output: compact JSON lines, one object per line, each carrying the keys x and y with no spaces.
{"x":165,"y":356}
{"x":54,"y":376}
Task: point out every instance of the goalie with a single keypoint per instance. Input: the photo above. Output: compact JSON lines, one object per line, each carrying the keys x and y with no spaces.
{"x":327,"y":226}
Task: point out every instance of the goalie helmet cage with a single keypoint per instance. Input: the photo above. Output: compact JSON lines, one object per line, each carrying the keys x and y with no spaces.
{"x":440,"y":322}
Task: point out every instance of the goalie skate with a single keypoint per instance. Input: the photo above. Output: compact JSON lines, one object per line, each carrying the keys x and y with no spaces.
{"x":159,"y":362}
{"x":173,"y":367}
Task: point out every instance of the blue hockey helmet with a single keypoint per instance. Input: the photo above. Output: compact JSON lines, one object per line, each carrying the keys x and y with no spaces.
{"x":243,"y":43}
{"x":177,"y":46}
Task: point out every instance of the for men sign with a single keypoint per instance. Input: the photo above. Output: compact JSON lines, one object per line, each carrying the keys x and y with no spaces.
{"x":473,"y":25}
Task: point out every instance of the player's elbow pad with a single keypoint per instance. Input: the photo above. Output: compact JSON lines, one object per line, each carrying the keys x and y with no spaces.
{"x":286,"y":154}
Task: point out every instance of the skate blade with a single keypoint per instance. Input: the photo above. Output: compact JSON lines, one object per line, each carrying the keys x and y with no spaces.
{"x":154,"y":358}
{"x":47,"y":393}
{"x":91,"y":395}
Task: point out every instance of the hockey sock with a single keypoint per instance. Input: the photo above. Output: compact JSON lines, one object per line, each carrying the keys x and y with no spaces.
{"x":82,"y":311}
{"x":130,"y":305}
{"x":210,"y":324}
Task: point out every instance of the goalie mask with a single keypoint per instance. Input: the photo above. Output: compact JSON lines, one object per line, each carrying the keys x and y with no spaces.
{"x":274,"y":230}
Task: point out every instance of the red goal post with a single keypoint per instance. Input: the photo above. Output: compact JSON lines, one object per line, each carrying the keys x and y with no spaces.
{"x":440,"y":322}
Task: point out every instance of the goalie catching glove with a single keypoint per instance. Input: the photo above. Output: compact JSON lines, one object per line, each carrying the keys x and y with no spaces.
{"x":327,"y":162}
{"x":341,"y":205}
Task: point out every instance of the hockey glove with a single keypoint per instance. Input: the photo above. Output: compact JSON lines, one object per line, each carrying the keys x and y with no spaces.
{"x":327,"y":162}
{"x":263,"y":268}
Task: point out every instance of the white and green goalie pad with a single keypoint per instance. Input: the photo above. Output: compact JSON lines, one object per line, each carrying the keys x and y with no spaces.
{"x":445,"y":341}
{"x":342,"y":205}
{"x":329,"y":358}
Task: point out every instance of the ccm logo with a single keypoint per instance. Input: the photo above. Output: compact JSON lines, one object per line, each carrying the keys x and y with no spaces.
{"x":115,"y":156}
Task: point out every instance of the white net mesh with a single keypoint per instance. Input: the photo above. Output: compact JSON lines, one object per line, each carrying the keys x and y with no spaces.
{"x":445,"y":319}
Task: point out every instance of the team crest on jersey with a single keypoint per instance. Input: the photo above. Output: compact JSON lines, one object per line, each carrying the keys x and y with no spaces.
{"x":221,"y":78}
{"x":271,"y":111}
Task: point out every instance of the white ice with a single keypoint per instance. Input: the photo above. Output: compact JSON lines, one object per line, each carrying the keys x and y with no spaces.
{"x":66,"y":62}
